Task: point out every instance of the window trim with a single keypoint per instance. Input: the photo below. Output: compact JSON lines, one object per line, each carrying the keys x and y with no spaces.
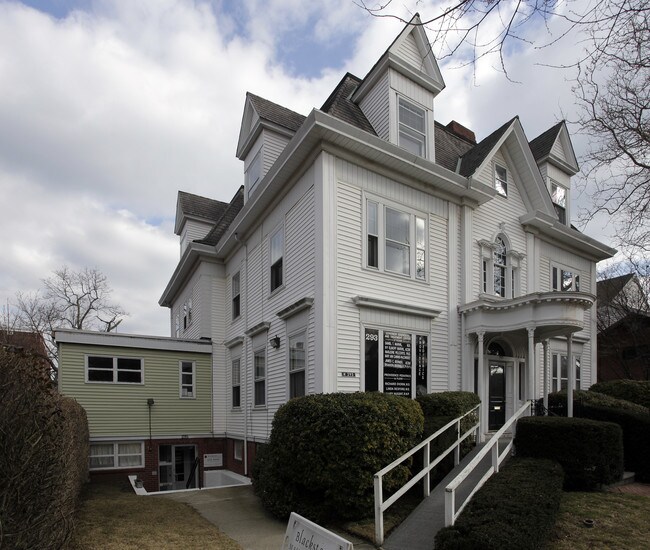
{"x":237,"y":297}
{"x":556,"y":373}
{"x":181,"y":363}
{"x":234,"y":386}
{"x":259,"y":379}
{"x":512,"y":274}
{"x":382,"y":205}
{"x":556,"y":206}
{"x":280,"y":260}
{"x":504,"y":182}
{"x":302,"y":332}
{"x":114,"y":370}
{"x":557,"y":275}
{"x":116,"y":456}
{"x":413,"y":106}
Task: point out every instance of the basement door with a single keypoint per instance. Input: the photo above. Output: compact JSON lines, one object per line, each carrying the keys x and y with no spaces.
{"x":175,"y":463}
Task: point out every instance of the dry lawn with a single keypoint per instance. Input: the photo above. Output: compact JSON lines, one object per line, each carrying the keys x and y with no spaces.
{"x":622,"y":521}
{"x":112,"y":518}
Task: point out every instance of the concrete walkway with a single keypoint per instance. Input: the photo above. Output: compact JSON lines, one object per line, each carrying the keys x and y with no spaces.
{"x":238,"y":513}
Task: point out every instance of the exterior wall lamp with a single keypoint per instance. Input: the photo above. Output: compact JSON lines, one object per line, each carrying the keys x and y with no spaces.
{"x":275,"y":342}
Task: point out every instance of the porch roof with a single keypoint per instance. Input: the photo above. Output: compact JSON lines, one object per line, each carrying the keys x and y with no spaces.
{"x":549,"y":313}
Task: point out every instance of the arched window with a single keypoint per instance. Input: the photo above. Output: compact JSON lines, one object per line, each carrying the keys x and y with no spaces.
{"x":500,"y":268}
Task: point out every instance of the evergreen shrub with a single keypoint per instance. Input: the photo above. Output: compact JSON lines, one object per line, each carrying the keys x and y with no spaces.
{"x":324,"y":450}
{"x":636,"y":391}
{"x":43,"y":456}
{"x":516,"y":509}
{"x":633,"y":419}
{"x":590,"y":452}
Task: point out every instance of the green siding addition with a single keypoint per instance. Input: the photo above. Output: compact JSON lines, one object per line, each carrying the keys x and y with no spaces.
{"x":122,"y":410}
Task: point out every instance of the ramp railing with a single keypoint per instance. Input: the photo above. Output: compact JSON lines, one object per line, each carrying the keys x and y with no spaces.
{"x":424,"y":474}
{"x":492,"y":446}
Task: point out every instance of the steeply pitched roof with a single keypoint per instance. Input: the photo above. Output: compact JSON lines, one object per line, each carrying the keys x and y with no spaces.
{"x":471,"y":160}
{"x":200,"y":207}
{"x":541,"y":146}
{"x":222,"y":225}
{"x":276,"y":113}
{"x":449,"y":147}
{"x":608,"y":289}
{"x":339,"y":104}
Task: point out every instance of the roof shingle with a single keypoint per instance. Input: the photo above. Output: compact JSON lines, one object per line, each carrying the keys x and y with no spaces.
{"x":339,"y":105}
{"x":471,"y":160}
{"x":200,"y":207}
{"x":541,"y":146}
{"x":222,"y":225}
{"x":276,"y":113}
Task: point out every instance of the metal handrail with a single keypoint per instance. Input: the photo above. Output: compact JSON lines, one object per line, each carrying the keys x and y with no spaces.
{"x":381,"y":506}
{"x":497,"y":458}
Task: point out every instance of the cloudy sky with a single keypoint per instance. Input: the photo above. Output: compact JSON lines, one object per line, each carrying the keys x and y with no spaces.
{"x":109,"y":107}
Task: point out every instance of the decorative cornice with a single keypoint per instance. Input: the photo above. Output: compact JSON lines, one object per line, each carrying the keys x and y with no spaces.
{"x":296,"y":307}
{"x":236,"y":341}
{"x":579,"y":298}
{"x":259,"y":327}
{"x":374,"y":303}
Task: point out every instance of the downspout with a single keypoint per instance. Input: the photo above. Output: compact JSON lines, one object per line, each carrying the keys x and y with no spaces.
{"x":244,"y":356}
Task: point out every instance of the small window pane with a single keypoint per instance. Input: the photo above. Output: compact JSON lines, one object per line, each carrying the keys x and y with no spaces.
{"x":373,"y":223}
{"x":277,"y":242}
{"x":397,"y":258}
{"x":411,"y":141}
{"x":501,"y":180}
{"x":130,"y":377}
{"x":420,"y":233}
{"x":411,"y":115}
{"x":397,"y":226}
{"x":129,"y":364}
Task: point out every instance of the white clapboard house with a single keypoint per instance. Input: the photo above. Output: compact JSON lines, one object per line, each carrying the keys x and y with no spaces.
{"x":372,"y":248}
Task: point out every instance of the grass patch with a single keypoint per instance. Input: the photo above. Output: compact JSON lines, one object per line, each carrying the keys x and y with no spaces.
{"x":621,"y":521}
{"x":114,"y":518}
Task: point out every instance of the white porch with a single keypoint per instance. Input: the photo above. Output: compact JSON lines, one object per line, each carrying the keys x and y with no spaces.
{"x":500,"y":339}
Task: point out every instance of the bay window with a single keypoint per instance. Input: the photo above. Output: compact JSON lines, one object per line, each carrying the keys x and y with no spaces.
{"x":565,"y":279}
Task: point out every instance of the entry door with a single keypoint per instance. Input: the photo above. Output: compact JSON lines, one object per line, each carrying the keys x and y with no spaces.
{"x":497,"y":396}
{"x":183,"y":462}
{"x":175,"y":463}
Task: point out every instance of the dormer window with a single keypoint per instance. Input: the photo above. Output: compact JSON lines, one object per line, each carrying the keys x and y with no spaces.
{"x":254,"y":173}
{"x":412,"y":128}
{"x":501,"y":180}
{"x":558,"y":197}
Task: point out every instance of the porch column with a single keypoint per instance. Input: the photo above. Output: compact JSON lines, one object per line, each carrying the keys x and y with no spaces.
{"x":571,"y":367}
{"x":546,"y":377}
{"x":480,"y":384}
{"x":531,"y":363}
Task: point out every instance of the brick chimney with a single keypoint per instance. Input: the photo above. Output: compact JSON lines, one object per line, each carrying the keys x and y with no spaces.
{"x":460,"y":130}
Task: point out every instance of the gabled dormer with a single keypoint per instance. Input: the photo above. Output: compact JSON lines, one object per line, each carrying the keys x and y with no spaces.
{"x":195,"y":217}
{"x":265,"y":131}
{"x":398,"y":93}
{"x":557,"y":162}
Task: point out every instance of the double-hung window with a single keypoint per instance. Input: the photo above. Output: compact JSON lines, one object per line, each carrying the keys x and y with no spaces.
{"x":501,"y":180}
{"x":412,"y":123}
{"x":500,"y":265}
{"x":276,"y":255}
{"x":564,"y":279}
{"x":187,"y":379}
{"x":121,"y":370}
{"x":396,"y":240}
{"x":297,"y":345}
{"x":500,"y":268}
{"x":559,"y":199}
{"x":236,"y":296}
{"x":259,"y":378}
{"x":560,"y":374}
{"x":236,"y":383}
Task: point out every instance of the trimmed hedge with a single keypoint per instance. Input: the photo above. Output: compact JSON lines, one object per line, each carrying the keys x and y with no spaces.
{"x":324,"y":450}
{"x":590,"y":452}
{"x":516,"y":509}
{"x":636,"y":391}
{"x":633,"y":419}
{"x":43,"y":456}
{"x":440,"y":408}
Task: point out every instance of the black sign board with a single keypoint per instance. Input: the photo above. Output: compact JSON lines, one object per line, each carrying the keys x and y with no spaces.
{"x":398,"y":359}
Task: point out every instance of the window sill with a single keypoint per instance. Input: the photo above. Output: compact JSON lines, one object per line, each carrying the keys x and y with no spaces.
{"x":275,"y":291}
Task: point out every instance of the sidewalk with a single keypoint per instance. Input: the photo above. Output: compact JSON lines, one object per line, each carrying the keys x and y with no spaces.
{"x":238,"y":513}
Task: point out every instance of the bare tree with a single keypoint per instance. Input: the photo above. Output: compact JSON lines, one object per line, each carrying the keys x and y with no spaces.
{"x":69,"y":299}
{"x":612,"y":85}
{"x":613,"y":91}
